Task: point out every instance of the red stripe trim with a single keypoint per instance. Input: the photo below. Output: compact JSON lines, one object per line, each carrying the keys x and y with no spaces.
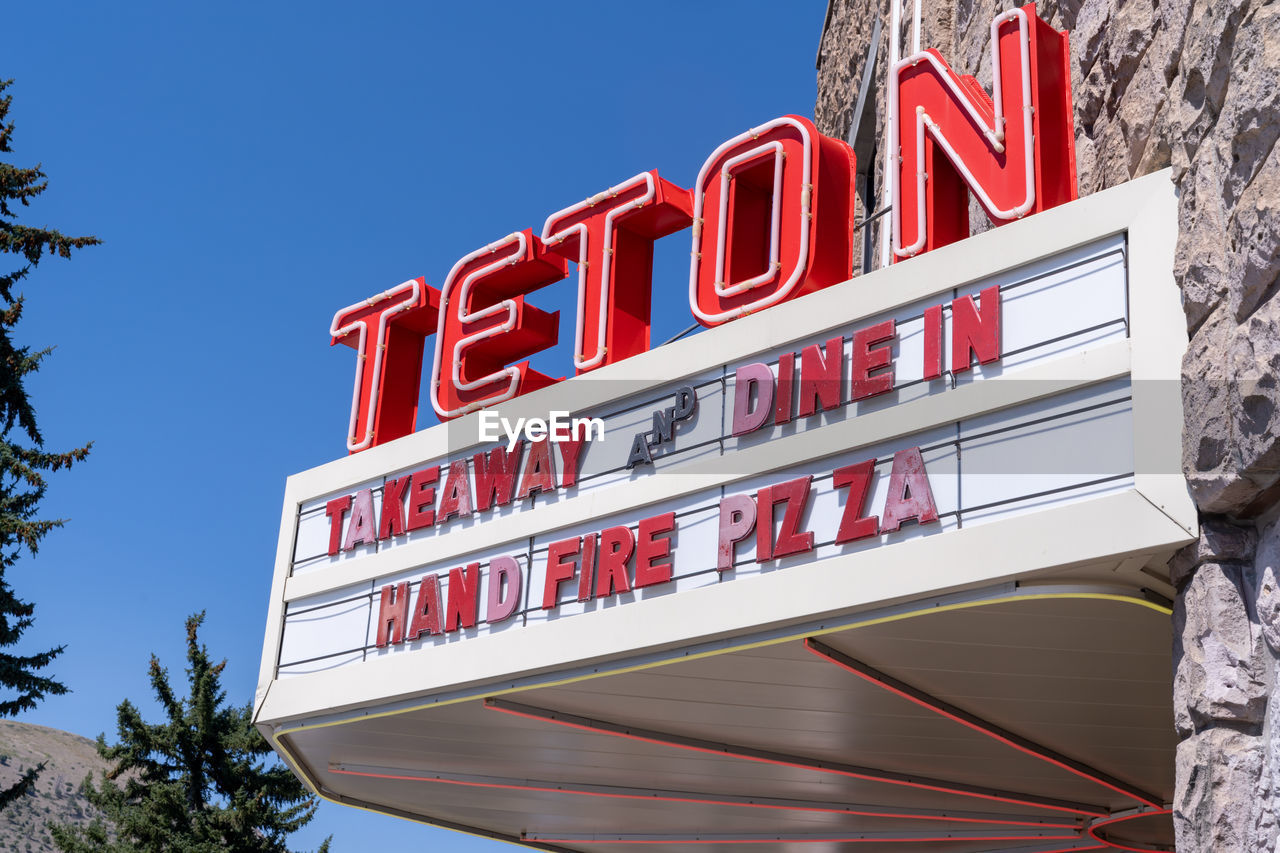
{"x":832,"y":840}
{"x":1116,"y":845}
{"x":938,"y":708}
{"x":727,"y":751}
{"x":562,"y":789}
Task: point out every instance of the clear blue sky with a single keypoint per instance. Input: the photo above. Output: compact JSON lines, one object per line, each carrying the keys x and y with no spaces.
{"x":253,"y":167}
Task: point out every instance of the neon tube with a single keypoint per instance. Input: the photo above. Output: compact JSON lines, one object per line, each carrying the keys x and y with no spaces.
{"x":974,"y":723}
{"x":775,"y":219}
{"x":694,"y":258}
{"x":336,"y":332}
{"x":892,"y":156}
{"x":995,"y":135}
{"x":764,"y":757}
{"x":1093,"y":828}
{"x":580,"y":361}
{"x":775,"y":803}
{"x":507,"y":305}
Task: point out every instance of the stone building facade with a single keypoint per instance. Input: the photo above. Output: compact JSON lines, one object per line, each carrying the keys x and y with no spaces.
{"x":1195,"y":85}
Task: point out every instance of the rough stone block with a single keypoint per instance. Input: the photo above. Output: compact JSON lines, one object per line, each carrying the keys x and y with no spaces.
{"x":1218,"y":774}
{"x":1222,"y":669}
{"x":1220,"y":542}
{"x":1266,"y":814}
{"x":1231,"y":403}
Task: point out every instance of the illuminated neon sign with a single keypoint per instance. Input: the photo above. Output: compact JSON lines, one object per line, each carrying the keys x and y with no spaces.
{"x":771,"y":217}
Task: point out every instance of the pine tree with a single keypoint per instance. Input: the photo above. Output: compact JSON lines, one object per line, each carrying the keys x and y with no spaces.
{"x":23,"y":459}
{"x":200,"y":782}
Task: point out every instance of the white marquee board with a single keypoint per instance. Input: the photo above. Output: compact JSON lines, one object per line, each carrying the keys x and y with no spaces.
{"x":1065,"y":451}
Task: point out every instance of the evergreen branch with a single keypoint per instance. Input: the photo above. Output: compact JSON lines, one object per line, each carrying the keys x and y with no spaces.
{"x":20,"y":788}
{"x":197,"y":781}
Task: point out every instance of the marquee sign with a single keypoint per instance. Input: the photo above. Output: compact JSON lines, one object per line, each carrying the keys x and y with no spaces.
{"x":771,"y":215}
{"x":994,"y":410}
{"x":942,"y":403}
{"x":808,"y":384}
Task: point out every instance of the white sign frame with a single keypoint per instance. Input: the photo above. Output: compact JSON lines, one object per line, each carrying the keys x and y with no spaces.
{"x":1155,"y":514}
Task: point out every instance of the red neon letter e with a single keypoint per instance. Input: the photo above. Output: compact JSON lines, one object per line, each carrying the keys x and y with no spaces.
{"x":485,"y":325}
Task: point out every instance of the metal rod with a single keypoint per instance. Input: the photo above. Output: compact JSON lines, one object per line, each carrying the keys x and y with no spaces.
{"x":680,"y":335}
{"x":865,"y":88}
{"x":873,"y":217}
{"x":869,"y":200}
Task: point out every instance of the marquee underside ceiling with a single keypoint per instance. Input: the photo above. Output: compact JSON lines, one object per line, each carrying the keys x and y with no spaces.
{"x":1029,"y":724}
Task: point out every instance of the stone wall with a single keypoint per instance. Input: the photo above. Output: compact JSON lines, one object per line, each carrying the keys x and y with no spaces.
{"x":1192,"y":84}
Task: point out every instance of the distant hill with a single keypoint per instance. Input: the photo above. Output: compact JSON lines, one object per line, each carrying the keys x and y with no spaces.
{"x":56,"y":797}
